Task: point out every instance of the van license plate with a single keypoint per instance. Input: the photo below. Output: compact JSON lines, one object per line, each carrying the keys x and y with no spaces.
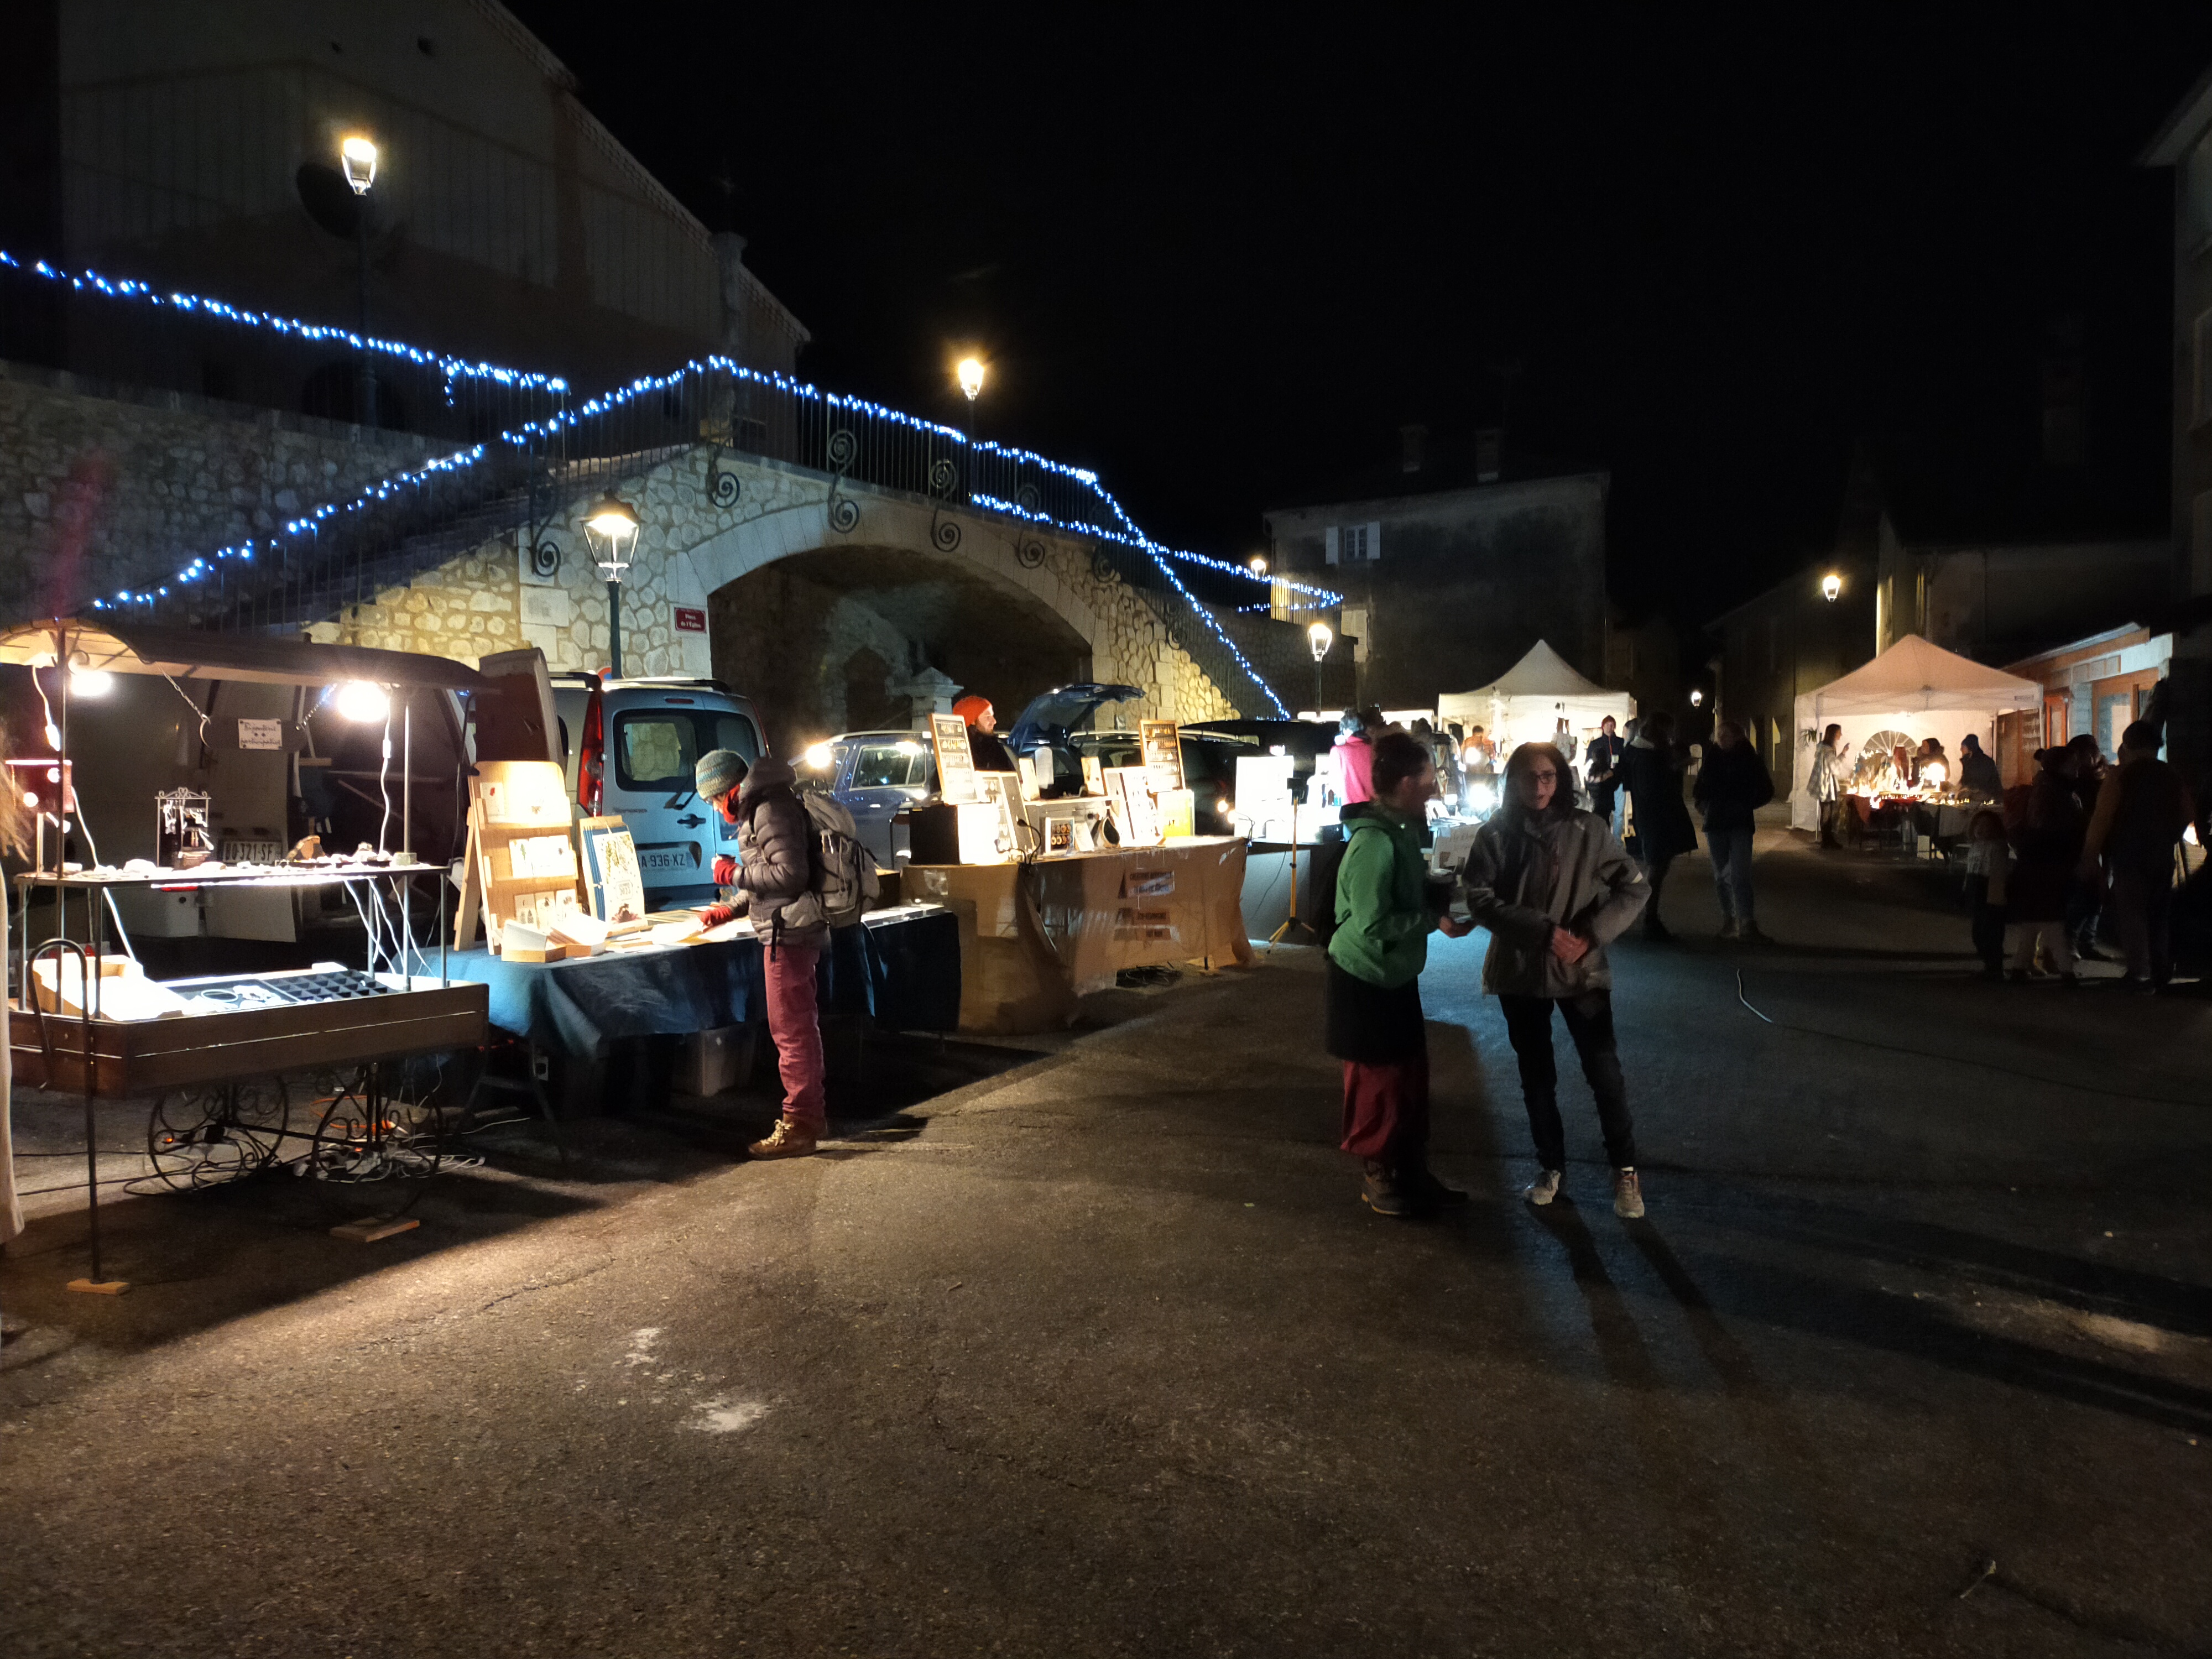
{"x":660,"y":860}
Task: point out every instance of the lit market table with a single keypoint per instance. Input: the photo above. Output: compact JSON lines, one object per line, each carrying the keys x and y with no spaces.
{"x":215,"y":1053}
{"x":1036,"y":935}
{"x":900,"y":968}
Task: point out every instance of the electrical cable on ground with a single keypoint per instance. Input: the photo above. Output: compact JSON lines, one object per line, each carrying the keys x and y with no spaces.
{"x":1961,"y":1060}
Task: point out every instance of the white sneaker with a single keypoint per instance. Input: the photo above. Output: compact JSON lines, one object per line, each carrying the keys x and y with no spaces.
{"x":1544,"y":1189}
{"x":1627,"y":1195}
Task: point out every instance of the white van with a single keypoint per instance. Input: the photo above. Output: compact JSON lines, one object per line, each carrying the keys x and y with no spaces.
{"x":628,"y":747}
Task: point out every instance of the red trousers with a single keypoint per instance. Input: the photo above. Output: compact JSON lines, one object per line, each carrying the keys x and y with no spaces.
{"x":797,"y":1029}
{"x":1386,"y":1110}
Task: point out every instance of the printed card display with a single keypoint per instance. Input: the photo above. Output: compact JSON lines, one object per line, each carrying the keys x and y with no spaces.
{"x":956,"y":762}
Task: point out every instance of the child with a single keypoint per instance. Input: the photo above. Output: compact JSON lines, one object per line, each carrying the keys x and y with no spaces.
{"x":1989,"y":862}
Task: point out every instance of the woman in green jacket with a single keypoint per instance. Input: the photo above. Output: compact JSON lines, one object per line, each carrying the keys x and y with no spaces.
{"x":1376,"y":955}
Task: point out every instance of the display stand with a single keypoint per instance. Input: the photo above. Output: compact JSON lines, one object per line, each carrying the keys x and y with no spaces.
{"x":518,"y":809}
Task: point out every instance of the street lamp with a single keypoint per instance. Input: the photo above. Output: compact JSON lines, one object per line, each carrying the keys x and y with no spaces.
{"x":1696,"y":699}
{"x":1832,"y":584}
{"x":1320,"y":638}
{"x":357,"y":154}
{"x":610,"y":527}
{"x":1257,"y":564}
{"x":970,"y":371}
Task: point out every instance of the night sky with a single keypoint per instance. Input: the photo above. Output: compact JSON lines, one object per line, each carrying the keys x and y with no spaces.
{"x":1222,"y":263}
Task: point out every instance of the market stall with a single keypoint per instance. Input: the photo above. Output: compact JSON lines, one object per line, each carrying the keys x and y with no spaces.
{"x":1912,"y":691}
{"x":1037,"y":934}
{"x":1528,"y":702}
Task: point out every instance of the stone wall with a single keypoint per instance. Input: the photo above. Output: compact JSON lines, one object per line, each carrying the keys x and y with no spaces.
{"x":103,"y":488}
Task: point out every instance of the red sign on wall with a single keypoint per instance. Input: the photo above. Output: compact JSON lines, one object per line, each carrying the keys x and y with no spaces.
{"x":689,"y":621}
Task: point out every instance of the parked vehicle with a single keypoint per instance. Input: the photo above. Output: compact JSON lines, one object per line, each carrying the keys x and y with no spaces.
{"x":628,"y":746}
{"x":878,"y":775}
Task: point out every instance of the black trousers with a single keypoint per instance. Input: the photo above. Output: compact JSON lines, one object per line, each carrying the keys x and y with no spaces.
{"x":1590,"y":1023}
{"x":1655,"y":876}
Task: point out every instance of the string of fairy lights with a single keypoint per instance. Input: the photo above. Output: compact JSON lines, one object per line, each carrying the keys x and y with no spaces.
{"x":1128,"y":533}
{"x":126,"y":289}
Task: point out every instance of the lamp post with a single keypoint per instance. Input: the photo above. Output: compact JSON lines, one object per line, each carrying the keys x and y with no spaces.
{"x":1831,"y":587}
{"x":970,"y":371}
{"x":1320,"y":638}
{"x":612,"y":526}
{"x":357,"y":154}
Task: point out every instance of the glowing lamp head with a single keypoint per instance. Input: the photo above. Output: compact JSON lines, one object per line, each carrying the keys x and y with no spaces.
{"x":1257,"y":564}
{"x":1696,"y":699}
{"x":818,"y":757}
{"x":90,"y":682}
{"x":1831,"y":586}
{"x":1320,"y":637}
{"x":358,"y":151}
{"x":364,"y":701}
{"x":970,"y":371}
{"x":612,"y":526}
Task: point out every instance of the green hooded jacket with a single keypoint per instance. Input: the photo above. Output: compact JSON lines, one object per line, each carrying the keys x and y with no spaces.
{"x":1382,"y":918}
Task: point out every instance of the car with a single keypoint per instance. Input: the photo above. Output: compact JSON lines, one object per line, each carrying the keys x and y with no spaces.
{"x":628,"y":746}
{"x":878,"y":775}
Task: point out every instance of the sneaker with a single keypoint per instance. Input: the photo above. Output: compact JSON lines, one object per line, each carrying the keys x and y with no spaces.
{"x":1381,"y":1192}
{"x":1627,"y":1195}
{"x":1728,"y":928}
{"x":786,"y":1139}
{"x":1749,"y":933}
{"x":1543,"y":1189}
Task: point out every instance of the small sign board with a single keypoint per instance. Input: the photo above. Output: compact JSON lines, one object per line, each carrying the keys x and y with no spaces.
{"x":956,"y":762}
{"x":690,"y":619}
{"x":261,"y":734}
{"x":1162,"y":747}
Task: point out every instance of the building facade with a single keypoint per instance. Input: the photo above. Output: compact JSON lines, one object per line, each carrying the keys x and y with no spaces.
{"x":1451,"y":571}
{"x":196,"y":148}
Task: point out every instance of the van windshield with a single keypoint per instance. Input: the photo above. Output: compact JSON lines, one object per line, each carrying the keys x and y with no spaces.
{"x":658,"y":748}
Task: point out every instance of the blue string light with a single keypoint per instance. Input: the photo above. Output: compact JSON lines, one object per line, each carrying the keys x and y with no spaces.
{"x":1129,"y":535}
{"x":453,"y":369}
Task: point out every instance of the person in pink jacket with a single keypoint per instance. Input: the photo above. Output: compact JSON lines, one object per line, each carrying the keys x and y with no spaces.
{"x":1355,"y":757}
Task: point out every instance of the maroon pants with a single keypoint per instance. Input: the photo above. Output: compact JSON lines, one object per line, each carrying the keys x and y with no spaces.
{"x":792,"y":1021}
{"x":1386,"y":1110}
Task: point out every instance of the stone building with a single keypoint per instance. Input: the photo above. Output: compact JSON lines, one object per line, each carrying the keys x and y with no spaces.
{"x":1453,"y":562}
{"x":196,"y":147}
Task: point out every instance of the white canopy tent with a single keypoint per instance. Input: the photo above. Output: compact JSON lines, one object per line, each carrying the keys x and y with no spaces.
{"x":1914,"y":688}
{"x":1526,"y":703}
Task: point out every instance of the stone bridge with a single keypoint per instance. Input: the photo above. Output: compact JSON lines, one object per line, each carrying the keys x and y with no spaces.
{"x":828,"y":629}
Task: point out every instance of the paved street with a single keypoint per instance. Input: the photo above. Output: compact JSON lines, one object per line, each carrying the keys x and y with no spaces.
{"x":1100,"y":1354}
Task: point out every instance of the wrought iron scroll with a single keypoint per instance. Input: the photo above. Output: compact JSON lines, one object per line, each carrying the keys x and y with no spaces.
{"x":844,"y":511}
{"x":722,"y":488}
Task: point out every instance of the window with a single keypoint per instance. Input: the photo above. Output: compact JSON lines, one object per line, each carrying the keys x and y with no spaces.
{"x":656,"y":749}
{"x":1352,"y":543}
{"x":889,"y":766}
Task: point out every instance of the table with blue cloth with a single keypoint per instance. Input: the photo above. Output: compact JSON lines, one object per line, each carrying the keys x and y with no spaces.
{"x":899,"y":970}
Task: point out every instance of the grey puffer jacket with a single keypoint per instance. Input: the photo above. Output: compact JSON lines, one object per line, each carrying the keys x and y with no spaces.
{"x":775,"y":868}
{"x":1527,"y":875}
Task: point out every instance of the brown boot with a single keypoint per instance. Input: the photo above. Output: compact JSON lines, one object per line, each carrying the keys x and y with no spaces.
{"x":786,"y":1139}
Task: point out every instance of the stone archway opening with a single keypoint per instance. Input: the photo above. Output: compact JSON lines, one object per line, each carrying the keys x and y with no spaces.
{"x":823,"y":641}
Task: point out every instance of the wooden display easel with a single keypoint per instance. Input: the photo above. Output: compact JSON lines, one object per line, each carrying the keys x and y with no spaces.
{"x":511,"y":801}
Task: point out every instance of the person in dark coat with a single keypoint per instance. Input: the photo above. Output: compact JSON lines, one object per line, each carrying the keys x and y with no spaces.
{"x":773,"y":874}
{"x":2046,"y":845}
{"x":1978,"y":773}
{"x":2141,"y":811}
{"x":1732,"y":786}
{"x":1602,"y":767}
{"x":2084,"y":903}
{"x":1651,"y":771}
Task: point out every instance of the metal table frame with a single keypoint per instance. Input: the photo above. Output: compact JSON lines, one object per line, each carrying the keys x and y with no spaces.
{"x":97,"y":887}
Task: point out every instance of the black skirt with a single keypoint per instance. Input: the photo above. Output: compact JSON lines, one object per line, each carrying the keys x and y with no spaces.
{"x":1371,"y":1025}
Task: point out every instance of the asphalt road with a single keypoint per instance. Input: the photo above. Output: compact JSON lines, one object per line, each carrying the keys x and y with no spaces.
{"x":1100,"y":1354}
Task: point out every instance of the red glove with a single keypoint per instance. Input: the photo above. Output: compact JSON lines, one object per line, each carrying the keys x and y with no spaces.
{"x":714,"y":916}
{"x":726,"y":871}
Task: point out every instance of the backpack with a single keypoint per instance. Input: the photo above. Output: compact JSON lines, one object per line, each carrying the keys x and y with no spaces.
{"x":841,"y":870}
{"x":1321,"y":887}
